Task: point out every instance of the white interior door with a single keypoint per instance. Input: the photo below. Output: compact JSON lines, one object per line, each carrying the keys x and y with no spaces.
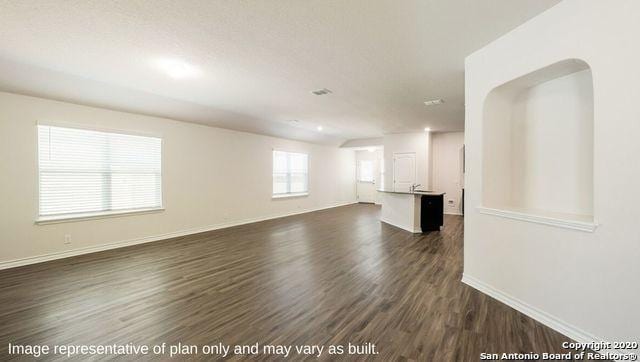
{"x":366,"y":185}
{"x":404,"y":171}
{"x":366,"y":192}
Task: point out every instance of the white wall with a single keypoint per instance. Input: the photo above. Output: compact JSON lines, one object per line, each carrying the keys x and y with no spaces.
{"x":552,"y":133}
{"x":584,"y":284}
{"x":363,"y":142}
{"x":418,"y":143}
{"x":211,"y":177}
{"x":447,"y":168}
{"x":538,"y":143}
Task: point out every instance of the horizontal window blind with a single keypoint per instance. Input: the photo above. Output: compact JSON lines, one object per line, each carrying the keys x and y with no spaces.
{"x":290,"y":174}
{"x":365,"y":171}
{"x":86,"y":172}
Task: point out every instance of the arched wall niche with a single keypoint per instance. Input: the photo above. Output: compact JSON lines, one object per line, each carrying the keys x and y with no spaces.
{"x":537,"y":144}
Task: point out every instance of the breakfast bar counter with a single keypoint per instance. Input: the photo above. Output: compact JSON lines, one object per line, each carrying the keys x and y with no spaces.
{"x":415,"y":211}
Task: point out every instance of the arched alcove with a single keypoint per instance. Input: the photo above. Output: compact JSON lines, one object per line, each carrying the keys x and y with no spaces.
{"x":537,"y":136}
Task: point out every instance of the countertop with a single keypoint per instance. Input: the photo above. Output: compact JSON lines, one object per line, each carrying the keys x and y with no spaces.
{"x":416,"y":192}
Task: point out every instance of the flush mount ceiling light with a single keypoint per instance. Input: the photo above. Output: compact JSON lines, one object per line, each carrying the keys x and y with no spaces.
{"x":176,"y":68}
{"x":434,"y":102}
{"x":319,"y":128}
{"x":371,"y":149}
{"x":321,"y":92}
{"x":427,"y":129}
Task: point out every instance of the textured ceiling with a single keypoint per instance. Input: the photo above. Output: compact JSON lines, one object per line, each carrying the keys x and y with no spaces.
{"x":257,"y":61}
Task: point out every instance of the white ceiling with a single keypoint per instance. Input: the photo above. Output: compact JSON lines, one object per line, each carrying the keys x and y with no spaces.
{"x":257,"y":61}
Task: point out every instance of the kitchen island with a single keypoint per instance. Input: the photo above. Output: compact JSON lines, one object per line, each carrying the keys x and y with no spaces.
{"x":415,"y":211}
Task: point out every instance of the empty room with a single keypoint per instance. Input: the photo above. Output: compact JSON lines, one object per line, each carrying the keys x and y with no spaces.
{"x":414,"y":180}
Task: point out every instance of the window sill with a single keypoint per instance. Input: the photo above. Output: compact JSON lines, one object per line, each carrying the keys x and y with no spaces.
{"x":93,"y":215}
{"x":558,"y":220}
{"x":286,"y":196}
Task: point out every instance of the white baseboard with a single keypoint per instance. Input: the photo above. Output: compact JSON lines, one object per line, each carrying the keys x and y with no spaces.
{"x":453,"y":213}
{"x":543,"y":317}
{"x":403,"y":227}
{"x":120,"y":244}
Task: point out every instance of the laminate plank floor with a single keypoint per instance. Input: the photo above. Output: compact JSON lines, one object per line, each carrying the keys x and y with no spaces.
{"x":330,"y":277}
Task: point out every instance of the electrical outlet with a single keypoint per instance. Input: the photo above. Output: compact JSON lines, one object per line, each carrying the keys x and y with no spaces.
{"x":67,"y":239}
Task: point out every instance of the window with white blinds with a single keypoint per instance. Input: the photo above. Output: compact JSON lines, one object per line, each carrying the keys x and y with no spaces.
{"x":365,"y":171}
{"x":290,"y":174}
{"x":85,"y":172}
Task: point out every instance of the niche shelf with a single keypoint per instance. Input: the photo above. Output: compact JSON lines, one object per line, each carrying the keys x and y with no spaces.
{"x":537,"y":147}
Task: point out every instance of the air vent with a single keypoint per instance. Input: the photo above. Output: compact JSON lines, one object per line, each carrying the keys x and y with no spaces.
{"x":434,"y":102}
{"x":321,"y":92}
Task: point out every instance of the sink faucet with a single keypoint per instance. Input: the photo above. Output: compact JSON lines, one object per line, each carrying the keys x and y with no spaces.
{"x":414,"y":186}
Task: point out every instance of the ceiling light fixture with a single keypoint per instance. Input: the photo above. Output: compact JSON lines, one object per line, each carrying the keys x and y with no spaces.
{"x":434,"y":102}
{"x":371,"y":149}
{"x":176,"y":69}
{"x":321,"y":92}
{"x":319,"y":128}
{"x":427,"y":129}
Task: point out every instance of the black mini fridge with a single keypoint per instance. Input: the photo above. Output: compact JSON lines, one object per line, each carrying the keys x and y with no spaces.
{"x":431,"y":212}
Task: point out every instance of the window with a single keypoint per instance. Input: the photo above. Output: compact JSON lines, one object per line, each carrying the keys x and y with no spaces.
{"x":290,"y":176}
{"x":365,"y":171}
{"x":85,"y":173}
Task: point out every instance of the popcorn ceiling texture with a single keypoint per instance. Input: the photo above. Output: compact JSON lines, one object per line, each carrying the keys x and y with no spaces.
{"x":258,"y":60}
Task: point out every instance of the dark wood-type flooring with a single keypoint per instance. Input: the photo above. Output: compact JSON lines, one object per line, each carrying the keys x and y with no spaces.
{"x":328,"y":277}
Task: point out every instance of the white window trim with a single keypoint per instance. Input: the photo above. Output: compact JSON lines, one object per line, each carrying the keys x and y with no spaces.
{"x":294,"y":194}
{"x":91,"y":127}
{"x":56,"y":219}
{"x":290,"y":194}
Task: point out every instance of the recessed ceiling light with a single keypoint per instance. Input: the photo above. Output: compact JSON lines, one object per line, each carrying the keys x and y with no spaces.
{"x":319,"y":128}
{"x":427,"y":129}
{"x":321,"y":92}
{"x":434,"y":102}
{"x":176,"y":68}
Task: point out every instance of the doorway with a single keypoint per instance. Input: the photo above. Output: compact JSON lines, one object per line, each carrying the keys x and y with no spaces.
{"x":366,"y":185}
